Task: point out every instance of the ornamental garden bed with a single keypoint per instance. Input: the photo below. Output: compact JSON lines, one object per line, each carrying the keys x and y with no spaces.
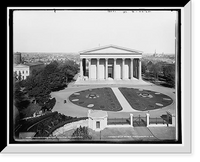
{"x":144,"y":100}
{"x":96,"y":99}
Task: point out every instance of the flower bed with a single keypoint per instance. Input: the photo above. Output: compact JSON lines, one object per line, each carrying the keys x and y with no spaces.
{"x":145,"y":100}
{"x":97,"y":99}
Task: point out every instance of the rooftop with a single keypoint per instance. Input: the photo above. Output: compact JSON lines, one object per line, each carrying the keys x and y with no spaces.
{"x":111,"y":49}
{"x":97,"y":114}
{"x":34,"y":63}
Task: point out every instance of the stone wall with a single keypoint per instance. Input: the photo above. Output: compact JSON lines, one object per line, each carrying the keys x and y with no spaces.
{"x":69,"y":126}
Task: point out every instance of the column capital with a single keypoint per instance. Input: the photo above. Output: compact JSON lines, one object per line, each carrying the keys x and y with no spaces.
{"x":98,"y":58}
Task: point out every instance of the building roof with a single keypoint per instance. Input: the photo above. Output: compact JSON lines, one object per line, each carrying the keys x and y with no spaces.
{"x":111,"y":49}
{"x":34,"y":63}
{"x":97,"y":114}
{"x":20,"y":66}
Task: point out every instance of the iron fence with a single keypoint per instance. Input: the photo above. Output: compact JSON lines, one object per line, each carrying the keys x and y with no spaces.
{"x":157,"y":121}
{"x":118,"y":121}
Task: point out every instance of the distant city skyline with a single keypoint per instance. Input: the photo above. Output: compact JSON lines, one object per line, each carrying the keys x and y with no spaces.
{"x":74,"y":31}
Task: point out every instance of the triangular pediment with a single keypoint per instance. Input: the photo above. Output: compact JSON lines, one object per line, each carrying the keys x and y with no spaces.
{"x":110,"y":49}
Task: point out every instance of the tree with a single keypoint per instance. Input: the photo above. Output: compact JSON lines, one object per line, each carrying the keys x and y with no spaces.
{"x":20,"y":99}
{"x":149,"y":65}
{"x":81,"y":133}
{"x":169,"y":74}
{"x":51,"y":68}
{"x":50,"y":78}
{"x":30,"y":110}
{"x":144,"y":67}
{"x":49,"y":105}
{"x":56,"y":81}
{"x":69,"y":69}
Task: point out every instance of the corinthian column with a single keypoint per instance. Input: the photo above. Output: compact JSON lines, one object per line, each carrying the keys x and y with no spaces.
{"x":106,"y":69}
{"x":140,"y":69}
{"x":97,"y":75}
{"x":123,"y":60}
{"x":131,"y":68}
{"x":81,"y":68}
{"x":89,"y":69}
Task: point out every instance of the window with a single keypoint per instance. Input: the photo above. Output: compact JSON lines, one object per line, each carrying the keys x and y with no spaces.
{"x":22,"y":72}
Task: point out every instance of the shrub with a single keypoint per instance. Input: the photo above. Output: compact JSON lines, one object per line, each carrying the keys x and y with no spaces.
{"x":50,"y":104}
{"x":81,"y":133}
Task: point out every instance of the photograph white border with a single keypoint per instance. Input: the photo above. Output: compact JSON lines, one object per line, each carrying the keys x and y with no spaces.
{"x":185,"y":147}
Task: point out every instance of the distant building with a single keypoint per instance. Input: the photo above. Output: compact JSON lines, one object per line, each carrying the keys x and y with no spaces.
{"x":17,"y":58}
{"x":26,"y":69}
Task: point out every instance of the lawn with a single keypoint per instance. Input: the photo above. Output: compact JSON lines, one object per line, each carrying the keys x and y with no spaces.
{"x":144,"y":100}
{"x":96,"y":99}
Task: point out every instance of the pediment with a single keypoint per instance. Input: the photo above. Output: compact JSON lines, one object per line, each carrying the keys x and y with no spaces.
{"x":110,"y":49}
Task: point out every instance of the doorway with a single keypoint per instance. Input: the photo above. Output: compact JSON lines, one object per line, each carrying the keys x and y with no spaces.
{"x":98,"y":124}
{"x":110,"y":71}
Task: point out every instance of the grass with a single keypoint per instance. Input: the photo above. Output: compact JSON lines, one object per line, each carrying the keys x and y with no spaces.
{"x":138,"y":102}
{"x":100,"y":99}
{"x":104,"y":99}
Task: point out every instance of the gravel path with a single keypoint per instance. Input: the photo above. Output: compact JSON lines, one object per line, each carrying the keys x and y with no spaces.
{"x":124,"y":103}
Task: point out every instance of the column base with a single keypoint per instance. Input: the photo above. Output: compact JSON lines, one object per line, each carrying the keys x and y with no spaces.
{"x":126,"y":79}
{"x":117,"y":79}
{"x":93,"y":79}
{"x":101,"y":79}
{"x":133,"y":78}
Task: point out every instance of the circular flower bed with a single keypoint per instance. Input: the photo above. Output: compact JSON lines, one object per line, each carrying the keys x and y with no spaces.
{"x":145,"y":95}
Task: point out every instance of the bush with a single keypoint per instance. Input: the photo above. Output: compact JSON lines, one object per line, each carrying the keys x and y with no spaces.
{"x":81,"y":133}
{"x":49,"y":105}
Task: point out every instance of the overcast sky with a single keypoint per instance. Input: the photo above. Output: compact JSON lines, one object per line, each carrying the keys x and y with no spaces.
{"x":74,"y":31}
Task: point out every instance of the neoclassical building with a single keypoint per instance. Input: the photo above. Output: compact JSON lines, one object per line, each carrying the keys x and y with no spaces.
{"x":110,"y":63}
{"x":26,"y":69}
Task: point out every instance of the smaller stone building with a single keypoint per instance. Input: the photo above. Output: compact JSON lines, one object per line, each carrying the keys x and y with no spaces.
{"x":97,"y":120}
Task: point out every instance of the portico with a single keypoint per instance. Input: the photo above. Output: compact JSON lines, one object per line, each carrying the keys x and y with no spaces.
{"x":110,"y":63}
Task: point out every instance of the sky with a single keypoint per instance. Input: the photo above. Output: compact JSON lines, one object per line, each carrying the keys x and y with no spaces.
{"x":74,"y":31}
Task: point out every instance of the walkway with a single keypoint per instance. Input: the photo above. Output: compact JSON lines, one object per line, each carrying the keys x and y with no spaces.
{"x":123,"y":102}
{"x":127,"y":134}
{"x":111,"y":81}
{"x":73,"y":110}
{"x":117,"y":134}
